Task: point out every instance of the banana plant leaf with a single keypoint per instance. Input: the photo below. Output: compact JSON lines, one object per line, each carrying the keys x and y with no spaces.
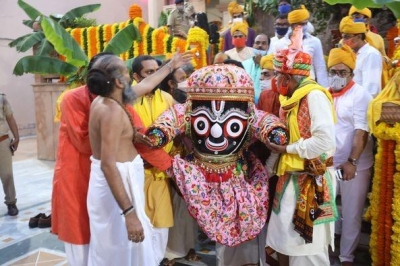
{"x":24,"y":43}
{"x":122,"y":41}
{"x":63,"y":42}
{"x":79,"y":12}
{"x":29,"y":10}
{"x":393,"y":5}
{"x":28,"y":22}
{"x":44,"y":48}
{"x":43,"y":65}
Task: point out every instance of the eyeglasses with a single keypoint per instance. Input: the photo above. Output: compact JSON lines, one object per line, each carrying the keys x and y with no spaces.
{"x":347,"y":37}
{"x":237,"y":36}
{"x":283,"y":25}
{"x":340,"y":73}
{"x":237,"y":16}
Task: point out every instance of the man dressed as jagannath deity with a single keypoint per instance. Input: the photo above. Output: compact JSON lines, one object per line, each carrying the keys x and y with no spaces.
{"x":224,"y":185}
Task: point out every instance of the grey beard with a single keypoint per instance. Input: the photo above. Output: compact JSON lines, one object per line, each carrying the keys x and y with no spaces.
{"x":128,"y":95}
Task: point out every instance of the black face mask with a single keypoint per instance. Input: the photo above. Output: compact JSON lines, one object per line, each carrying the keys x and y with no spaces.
{"x":179,"y":95}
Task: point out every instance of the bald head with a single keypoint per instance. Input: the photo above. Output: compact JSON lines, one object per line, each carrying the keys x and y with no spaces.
{"x":220,"y":58}
{"x":261,"y":42}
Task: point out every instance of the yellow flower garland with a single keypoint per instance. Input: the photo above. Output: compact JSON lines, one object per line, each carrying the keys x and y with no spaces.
{"x":385,"y":132}
{"x":199,"y":38}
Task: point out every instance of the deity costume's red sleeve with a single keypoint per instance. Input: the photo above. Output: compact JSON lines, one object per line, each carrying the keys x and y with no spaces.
{"x":70,"y":219}
{"x":154,"y":156}
{"x":269,"y":102}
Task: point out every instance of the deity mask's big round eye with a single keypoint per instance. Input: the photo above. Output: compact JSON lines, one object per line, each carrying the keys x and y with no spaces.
{"x":201,"y":125}
{"x":234,"y":127}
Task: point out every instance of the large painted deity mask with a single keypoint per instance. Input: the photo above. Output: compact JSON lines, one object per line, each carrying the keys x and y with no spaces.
{"x":218,"y":112}
{"x":219,"y":127}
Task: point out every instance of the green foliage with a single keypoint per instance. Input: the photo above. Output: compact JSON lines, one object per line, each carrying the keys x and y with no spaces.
{"x":81,"y":22}
{"x":394,"y":6}
{"x":319,"y":9}
{"x":43,"y":65}
{"x":122,"y":41}
{"x":163,"y":19}
{"x":63,"y":42}
{"x":78,"y":12}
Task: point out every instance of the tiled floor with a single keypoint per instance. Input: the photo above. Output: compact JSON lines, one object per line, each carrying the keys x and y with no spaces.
{"x":20,"y":245}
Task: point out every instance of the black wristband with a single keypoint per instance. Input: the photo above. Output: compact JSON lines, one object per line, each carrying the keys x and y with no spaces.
{"x":127,"y":210}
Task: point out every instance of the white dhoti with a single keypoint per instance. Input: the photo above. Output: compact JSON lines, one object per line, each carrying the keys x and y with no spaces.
{"x":242,"y":254}
{"x":283,"y":239}
{"x":182,"y":236}
{"x":109,"y":244}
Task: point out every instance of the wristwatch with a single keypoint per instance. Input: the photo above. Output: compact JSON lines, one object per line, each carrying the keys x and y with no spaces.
{"x":353,"y":161}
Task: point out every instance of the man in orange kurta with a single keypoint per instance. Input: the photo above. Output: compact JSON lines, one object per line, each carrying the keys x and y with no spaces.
{"x":70,"y":220}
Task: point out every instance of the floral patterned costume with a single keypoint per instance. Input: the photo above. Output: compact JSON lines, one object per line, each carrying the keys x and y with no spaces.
{"x":224,"y":185}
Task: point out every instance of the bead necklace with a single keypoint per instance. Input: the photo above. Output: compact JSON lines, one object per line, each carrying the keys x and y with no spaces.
{"x":127,"y":113}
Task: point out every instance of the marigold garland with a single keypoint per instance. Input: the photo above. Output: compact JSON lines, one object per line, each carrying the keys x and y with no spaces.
{"x":135,"y":11}
{"x":199,"y":38}
{"x":384,"y":209}
{"x":154,"y":41}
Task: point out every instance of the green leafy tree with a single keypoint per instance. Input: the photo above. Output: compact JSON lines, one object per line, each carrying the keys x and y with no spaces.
{"x":76,"y":61}
{"x":43,"y":47}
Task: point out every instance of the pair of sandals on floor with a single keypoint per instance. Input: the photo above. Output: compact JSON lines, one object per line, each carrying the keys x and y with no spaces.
{"x":191,"y":256}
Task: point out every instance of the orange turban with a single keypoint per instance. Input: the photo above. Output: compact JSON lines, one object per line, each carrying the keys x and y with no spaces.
{"x":347,"y":25}
{"x":365,"y":11}
{"x":342,"y":55}
{"x":298,"y":15}
{"x":266,"y":62}
{"x":240,"y":26}
{"x":234,"y":8}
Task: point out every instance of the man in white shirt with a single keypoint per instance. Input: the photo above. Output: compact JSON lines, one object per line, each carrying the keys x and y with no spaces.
{"x":281,"y":28}
{"x":305,"y":188}
{"x":311,"y":45}
{"x":353,"y":156}
{"x":240,"y":52}
{"x":368,"y":71}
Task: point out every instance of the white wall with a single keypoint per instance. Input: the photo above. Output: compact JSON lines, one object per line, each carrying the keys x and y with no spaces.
{"x":18,"y":89}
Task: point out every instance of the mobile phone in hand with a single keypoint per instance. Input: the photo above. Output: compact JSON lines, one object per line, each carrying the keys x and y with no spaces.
{"x":12,"y":148}
{"x":339,"y":174}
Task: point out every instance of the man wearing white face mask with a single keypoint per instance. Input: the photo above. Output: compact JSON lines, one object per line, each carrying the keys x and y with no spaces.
{"x":311,"y":45}
{"x":353,"y":154}
{"x":269,"y":98}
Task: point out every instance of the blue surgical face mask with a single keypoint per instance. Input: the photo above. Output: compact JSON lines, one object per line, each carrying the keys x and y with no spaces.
{"x":281,"y":31}
{"x":259,"y":52}
{"x":359,"y":20}
{"x":284,"y":9}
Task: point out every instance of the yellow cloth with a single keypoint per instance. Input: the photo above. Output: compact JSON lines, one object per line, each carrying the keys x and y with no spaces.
{"x":390,"y":94}
{"x":376,"y":41}
{"x":343,"y":55}
{"x":298,"y":15}
{"x":234,"y":8}
{"x":365,"y":11}
{"x":293,"y":162}
{"x":157,"y":187}
{"x":240,"y":26}
{"x":347,"y":25}
{"x":266,"y":62}
{"x":57,"y":116}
